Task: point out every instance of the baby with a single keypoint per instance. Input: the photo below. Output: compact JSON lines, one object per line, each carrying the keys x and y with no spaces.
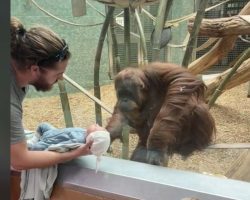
{"x":47,"y":137}
{"x":101,"y":141}
{"x":95,"y":127}
{"x":100,"y":137}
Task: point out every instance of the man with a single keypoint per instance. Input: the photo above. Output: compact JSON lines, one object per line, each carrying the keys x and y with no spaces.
{"x":39,"y":58}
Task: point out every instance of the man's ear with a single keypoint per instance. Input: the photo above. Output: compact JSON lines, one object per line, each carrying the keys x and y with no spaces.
{"x":34,"y":69}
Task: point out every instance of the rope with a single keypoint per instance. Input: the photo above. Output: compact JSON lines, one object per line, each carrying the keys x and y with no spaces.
{"x":230,"y":146}
{"x":184,"y":43}
{"x":206,"y":44}
{"x":243,"y":39}
{"x":95,"y":8}
{"x":61,"y":20}
{"x":175,"y":22}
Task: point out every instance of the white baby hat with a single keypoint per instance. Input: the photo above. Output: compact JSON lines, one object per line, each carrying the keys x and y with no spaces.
{"x":101,"y":142}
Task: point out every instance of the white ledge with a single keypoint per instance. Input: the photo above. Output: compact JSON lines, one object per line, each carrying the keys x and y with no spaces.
{"x":124,"y":179}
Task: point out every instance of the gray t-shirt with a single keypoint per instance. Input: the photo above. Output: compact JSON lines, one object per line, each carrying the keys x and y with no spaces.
{"x":17,"y":95}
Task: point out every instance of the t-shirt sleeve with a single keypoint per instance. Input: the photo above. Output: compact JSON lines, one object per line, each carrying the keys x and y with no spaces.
{"x":16,"y":126}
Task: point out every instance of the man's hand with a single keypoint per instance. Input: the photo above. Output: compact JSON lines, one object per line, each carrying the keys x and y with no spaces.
{"x":84,"y":149}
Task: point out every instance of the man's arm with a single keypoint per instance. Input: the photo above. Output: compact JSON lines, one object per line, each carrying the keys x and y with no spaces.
{"x":22,"y":158}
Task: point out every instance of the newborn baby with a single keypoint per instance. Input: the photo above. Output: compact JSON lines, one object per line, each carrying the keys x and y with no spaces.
{"x":101,"y":141}
{"x":47,"y":137}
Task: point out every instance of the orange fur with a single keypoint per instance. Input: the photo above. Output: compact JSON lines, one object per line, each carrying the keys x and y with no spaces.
{"x":165,"y":104}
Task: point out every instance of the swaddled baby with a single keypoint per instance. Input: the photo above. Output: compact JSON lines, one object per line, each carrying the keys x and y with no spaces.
{"x":101,"y":141}
{"x":47,"y":137}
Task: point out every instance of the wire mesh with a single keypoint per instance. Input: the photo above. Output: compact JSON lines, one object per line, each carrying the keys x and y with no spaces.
{"x":228,"y":9}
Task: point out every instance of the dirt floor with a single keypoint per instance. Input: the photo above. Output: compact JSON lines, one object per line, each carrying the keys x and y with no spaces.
{"x":231,"y":113}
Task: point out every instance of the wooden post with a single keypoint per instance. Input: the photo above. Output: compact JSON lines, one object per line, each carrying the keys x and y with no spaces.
{"x":159,"y":24}
{"x":242,"y":75}
{"x":221,"y":27}
{"x":218,"y":91}
{"x":125,"y":134}
{"x":78,"y":7}
{"x":126,"y":21}
{"x":114,"y":48}
{"x":194,"y":33}
{"x":142,"y":38}
{"x":248,"y":92}
{"x":125,"y":142}
{"x":65,"y":104}
{"x":97,"y":91}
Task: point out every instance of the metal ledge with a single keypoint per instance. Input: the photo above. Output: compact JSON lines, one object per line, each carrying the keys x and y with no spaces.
{"x":124,"y":179}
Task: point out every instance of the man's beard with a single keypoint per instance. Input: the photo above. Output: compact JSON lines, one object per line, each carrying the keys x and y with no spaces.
{"x":42,"y":85}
